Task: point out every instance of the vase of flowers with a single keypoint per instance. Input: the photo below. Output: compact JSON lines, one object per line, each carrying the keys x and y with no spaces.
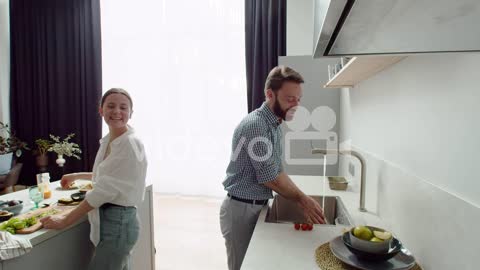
{"x":64,"y":148}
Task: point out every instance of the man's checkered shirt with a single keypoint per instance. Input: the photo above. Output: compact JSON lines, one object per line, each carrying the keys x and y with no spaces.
{"x":256,"y":155}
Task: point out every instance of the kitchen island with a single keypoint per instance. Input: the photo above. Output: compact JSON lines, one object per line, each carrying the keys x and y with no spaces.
{"x":71,"y":248}
{"x":280,"y":246}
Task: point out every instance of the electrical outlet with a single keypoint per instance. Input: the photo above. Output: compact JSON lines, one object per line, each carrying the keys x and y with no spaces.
{"x":351,"y":169}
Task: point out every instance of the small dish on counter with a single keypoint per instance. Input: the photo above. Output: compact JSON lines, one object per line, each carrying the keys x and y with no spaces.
{"x":337,"y":183}
{"x":72,"y":187}
{"x":86,"y":187}
{"x":65,"y":201}
{"x":13,"y":206}
{"x":77,"y":197}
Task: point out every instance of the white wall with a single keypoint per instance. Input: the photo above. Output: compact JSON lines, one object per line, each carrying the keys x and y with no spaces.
{"x":4,"y":61}
{"x":299,"y":27}
{"x":417,"y":125}
{"x":314,"y":96}
{"x":422,"y":114}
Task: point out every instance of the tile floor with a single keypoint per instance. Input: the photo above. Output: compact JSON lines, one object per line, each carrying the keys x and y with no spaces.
{"x":187,"y":233}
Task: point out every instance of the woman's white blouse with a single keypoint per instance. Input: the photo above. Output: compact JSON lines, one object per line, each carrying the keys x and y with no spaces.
{"x":119,"y":179}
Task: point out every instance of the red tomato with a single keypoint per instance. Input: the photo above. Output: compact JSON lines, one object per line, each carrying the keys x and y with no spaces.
{"x":304,"y":227}
{"x":310,"y":227}
{"x":297,"y":226}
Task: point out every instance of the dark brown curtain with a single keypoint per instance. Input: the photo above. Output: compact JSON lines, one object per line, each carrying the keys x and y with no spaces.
{"x":56,"y":77}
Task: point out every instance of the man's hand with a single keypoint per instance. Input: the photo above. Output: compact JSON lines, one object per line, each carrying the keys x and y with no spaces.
{"x":312,"y":210}
{"x":284,"y":186}
{"x":57,"y":222}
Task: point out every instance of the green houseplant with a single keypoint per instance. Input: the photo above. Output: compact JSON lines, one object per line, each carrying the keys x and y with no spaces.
{"x":9,"y":145}
{"x":42,"y":146}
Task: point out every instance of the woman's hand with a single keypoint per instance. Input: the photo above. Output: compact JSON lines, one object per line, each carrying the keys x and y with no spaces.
{"x":56,"y":222}
{"x":67,"y":180}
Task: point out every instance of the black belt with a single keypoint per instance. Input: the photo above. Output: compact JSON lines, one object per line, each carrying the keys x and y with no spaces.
{"x":107,"y":205}
{"x":257,"y":202}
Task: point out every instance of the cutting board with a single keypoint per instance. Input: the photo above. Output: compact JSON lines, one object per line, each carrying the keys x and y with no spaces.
{"x":63,"y":209}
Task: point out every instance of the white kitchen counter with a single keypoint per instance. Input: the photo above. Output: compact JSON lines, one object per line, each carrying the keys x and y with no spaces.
{"x":57,"y":193}
{"x":280,"y":246}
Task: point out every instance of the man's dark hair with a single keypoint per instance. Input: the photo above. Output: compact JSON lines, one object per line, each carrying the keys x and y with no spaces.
{"x":280,"y":74}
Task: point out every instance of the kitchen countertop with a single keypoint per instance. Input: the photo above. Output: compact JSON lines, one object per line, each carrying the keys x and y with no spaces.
{"x":55,"y":250}
{"x":280,"y":246}
{"x":57,"y":193}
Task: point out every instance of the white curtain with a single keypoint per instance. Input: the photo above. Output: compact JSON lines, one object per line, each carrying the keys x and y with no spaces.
{"x":183,"y":62}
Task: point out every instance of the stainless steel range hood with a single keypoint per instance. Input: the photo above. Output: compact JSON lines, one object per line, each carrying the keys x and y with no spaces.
{"x":366,"y":27}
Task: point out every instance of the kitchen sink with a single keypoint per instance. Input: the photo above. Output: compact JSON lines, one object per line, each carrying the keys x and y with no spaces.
{"x":285,"y":211}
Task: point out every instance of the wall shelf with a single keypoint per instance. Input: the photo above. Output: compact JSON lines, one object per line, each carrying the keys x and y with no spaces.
{"x":361,"y":68}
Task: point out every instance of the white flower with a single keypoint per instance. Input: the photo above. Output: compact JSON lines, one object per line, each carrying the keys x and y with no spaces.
{"x":64,"y":147}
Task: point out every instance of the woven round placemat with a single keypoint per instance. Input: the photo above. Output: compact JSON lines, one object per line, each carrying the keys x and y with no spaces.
{"x":327,"y":261}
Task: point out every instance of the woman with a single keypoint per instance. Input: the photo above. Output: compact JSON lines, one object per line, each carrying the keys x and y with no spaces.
{"x":119,"y":185}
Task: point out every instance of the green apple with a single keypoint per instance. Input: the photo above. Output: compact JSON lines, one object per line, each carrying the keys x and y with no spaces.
{"x":375,"y":239}
{"x":363,"y":232}
{"x":382,"y":235}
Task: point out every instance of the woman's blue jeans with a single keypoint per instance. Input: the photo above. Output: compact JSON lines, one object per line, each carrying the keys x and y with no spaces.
{"x":119,"y":230}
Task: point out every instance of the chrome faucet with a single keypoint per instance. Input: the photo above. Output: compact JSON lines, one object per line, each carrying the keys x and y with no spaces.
{"x":362,"y":170}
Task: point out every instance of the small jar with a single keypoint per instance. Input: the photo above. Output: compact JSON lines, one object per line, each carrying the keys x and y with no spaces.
{"x":47,"y":192}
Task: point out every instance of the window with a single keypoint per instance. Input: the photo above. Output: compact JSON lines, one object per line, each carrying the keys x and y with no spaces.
{"x":183,"y":62}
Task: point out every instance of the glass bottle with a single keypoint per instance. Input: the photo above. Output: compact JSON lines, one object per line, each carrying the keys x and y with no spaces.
{"x":47,"y":192}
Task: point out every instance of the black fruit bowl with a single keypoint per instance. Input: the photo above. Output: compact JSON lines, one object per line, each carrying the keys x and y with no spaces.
{"x":395,"y":248}
{"x":77,"y":197}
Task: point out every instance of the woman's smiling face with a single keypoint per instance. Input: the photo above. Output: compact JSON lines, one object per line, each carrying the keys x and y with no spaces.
{"x":116,"y":111}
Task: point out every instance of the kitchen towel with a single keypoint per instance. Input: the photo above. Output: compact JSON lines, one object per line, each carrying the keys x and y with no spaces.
{"x":13,"y":246}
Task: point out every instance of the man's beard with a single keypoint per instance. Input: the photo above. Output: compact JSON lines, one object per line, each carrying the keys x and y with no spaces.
{"x":277,"y":109}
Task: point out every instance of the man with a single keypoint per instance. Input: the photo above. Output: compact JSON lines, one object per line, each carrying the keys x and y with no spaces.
{"x":256,"y":168}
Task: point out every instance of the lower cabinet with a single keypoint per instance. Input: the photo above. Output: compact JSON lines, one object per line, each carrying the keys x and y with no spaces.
{"x":72,"y":249}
